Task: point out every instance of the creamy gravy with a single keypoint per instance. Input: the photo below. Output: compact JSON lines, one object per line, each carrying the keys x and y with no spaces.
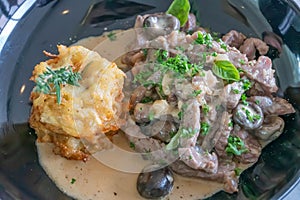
{"x":94,"y":180}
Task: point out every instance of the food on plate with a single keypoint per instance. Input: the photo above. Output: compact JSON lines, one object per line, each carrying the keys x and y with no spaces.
{"x":77,"y":96}
{"x":199,"y":107}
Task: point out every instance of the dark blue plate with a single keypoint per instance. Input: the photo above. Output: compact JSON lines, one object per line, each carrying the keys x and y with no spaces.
{"x":34,"y":27}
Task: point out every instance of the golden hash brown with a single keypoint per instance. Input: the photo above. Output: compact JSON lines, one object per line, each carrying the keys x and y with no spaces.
{"x":86,"y":110}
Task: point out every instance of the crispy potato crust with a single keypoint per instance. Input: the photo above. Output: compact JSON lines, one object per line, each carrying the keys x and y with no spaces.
{"x":86,"y":110}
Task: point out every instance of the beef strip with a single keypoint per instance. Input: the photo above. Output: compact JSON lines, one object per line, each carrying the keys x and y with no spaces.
{"x":234,"y":38}
{"x":191,"y":120}
{"x":273,"y":106}
{"x":198,"y":159}
{"x":270,"y":129}
{"x":251,"y":45}
{"x":262,"y":72}
{"x":223,"y":142}
{"x":251,"y":143}
{"x":225,"y":174}
{"x":215,"y":131}
{"x":231,"y":94}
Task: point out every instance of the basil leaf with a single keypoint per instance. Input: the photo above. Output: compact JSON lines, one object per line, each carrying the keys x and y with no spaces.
{"x":226,"y":70}
{"x":180,"y":9}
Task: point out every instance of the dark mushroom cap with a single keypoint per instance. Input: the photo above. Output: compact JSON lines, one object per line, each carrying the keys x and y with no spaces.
{"x":161,"y":24}
{"x":248,"y":115}
{"x":155,"y":184}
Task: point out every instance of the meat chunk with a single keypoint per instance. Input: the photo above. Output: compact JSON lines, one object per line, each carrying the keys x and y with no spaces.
{"x":251,"y":143}
{"x":271,"y":129}
{"x":198,"y":159}
{"x":191,"y":120}
{"x":234,"y":38}
{"x":232,"y":93}
{"x":251,"y":45}
{"x":220,"y":126}
{"x":225,"y":174}
{"x":263,"y":73}
{"x":273,"y":106}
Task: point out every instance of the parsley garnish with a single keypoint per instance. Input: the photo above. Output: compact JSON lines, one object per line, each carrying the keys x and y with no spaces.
{"x":112,"y":36}
{"x":246,"y":84}
{"x":196,"y":92}
{"x":235,"y":146}
{"x":236,"y":91}
{"x":132,"y":145}
{"x":204,"y":38}
{"x":73,"y":180}
{"x":147,"y":100}
{"x":244,"y":99}
{"x":204,"y":128}
{"x":238,"y":171}
{"x":205,"y":109}
{"x":178,"y":64}
{"x":52,"y":80}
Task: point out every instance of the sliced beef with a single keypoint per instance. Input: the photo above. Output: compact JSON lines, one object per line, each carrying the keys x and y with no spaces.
{"x":252,"y":45}
{"x":224,"y":132}
{"x":162,"y":129}
{"x":270,"y":129}
{"x":237,"y":58}
{"x":251,"y":143}
{"x":220,"y":126}
{"x":225,"y":174}
{"x":262,"y":72}
{"x":273,"y":106}
{"x":231,"y":94}
{"x":198,"y":159}
{"x":191,"y":120}
{"x":234,"y":38}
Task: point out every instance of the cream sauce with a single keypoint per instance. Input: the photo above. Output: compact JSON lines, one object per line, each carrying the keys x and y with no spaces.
{"x":94,"y":180}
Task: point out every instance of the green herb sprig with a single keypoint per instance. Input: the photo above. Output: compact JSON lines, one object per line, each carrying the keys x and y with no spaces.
{"x":235,"y":146}
{"x":51,"y":81}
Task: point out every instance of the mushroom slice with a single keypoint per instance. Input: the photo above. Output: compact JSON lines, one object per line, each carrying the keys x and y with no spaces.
{"x":248,"y":115}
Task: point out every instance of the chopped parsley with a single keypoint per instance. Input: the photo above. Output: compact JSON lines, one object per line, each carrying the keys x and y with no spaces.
{"x":147,"y":100}
{"x":238,"y":171}
{"x":112,"y":36}
{"x":223,"y":45}
{"x":205,"y":109}
{"x":250,"y":116}
{"x":132,"y":145}
{"x":204,"y":38}
{"x":196,"y":92}
{"x":257,"y":101}
{"x":235,"y":91}
{"x":151,"y":116}
{"x":204,"y":128}
{"x":242,"y":61}
{"x":73,"y":180}
{"x":244,"y":99}
{"x":230,"y":124}
{"x":178,"y":64}
{"x":235,"y":146}
{"x":246,"y":84}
